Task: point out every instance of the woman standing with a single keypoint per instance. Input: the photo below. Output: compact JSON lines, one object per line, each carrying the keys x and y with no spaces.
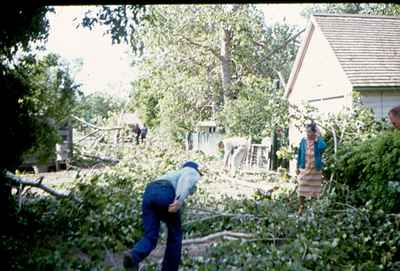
{"x":309,"y":164}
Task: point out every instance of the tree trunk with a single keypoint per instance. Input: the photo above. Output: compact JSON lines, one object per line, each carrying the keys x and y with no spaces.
{"x":214,"y":96}
{"x":226,"y":59}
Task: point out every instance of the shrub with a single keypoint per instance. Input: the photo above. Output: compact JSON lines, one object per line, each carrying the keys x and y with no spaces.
{"x":371,"y":170}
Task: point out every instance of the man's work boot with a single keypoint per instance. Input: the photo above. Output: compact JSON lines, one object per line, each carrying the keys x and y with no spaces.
{"x":129,"y":263}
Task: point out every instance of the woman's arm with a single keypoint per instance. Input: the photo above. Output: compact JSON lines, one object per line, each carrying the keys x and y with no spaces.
{"x":298,"y":156}
{"x":321,"y":144}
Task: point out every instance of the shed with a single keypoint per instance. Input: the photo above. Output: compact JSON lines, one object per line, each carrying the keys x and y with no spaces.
{"x":205,"y":138}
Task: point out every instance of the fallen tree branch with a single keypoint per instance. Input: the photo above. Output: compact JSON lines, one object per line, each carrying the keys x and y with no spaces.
{"x":21,"y":182}
{"x":102,"y":158}
{"x":228,"y":235}
{"x":214,"y":236}
{"x":217,"y":215}
{"x":96,"y":127}
{"x":88,"y":135}
{"x":225,"y":214}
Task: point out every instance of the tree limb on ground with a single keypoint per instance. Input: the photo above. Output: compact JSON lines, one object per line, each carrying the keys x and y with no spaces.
{"x":88,"y":135}
{"x":218,"y":235}
{"x":228,"y":235}
{"x":96,"y":127}
{"x":212,"y":212}
{"x":102,"y":158}
{"x":22,"y":181}
{"x":217,"y":215}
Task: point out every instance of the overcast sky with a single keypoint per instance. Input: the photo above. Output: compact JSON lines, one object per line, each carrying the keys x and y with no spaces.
{"x":106,"y":67}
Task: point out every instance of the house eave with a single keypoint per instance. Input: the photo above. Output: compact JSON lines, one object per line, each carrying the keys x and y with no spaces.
{"x":375,"y":88}
{"x":299,"y":58}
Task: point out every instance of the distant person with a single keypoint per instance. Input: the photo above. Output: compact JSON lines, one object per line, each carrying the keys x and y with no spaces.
{"x":143,"y":132}
{"x":394,"y":116}
{"x":189,"y":141}
{"x":235,"y":150}
{"x":309,"y":164}
{"x":137,"y":131}
{"x":162,"y":201}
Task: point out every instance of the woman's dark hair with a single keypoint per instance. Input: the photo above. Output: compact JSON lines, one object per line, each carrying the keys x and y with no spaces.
{"x":312,"y":127}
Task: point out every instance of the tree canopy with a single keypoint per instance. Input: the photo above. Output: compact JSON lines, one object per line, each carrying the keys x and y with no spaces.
{"x":387,"y":9}
{"x":192,"y":67}
{"x":19,"y":28}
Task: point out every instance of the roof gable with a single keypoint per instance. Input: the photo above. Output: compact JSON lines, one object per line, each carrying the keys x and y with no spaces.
{"x":367,"y":48}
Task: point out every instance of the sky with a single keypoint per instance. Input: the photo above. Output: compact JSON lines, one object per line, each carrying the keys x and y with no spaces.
{"x":289,"y":12}
{"x":106,"y":67}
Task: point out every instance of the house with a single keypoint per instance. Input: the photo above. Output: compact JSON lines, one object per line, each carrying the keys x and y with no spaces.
{"x":341,"y":54}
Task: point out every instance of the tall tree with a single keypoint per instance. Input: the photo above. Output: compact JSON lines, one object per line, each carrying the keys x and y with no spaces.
{"x":205,"y":56}
{"x":52,"y":98}
{"x":97,"y":107}
{"x":19,"y":27}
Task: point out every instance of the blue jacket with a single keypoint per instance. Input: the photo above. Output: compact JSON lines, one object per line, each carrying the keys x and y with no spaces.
{"x":319,"y":147}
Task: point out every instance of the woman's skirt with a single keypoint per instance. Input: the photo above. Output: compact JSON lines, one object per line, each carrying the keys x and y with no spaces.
{"x":310,"y":183}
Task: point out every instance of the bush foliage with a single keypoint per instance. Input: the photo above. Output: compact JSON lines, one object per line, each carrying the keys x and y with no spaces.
{"x":52,"y":234}
{"x":371,"y":171}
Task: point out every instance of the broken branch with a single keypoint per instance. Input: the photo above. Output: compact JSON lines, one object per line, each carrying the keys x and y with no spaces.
{"x":214,"y":236}
{"x":102,"y":158}
{"x":96,"y":127}
{"x":21,"y":181}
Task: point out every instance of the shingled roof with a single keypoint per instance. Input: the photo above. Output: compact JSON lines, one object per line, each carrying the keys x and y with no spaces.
{"x":367,"y":47}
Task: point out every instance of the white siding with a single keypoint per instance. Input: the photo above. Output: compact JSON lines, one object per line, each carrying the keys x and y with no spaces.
{"x":320,"y":75}
{"x":381,"y":101}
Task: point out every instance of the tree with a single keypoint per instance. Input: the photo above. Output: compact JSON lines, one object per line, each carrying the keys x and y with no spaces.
{"x":121,"y":22}
{"x":19,"y":27}
{"x":51,"y":100}
{"x":195,"y":65}
{"x":388,"y":9}
{"x":145,"y":101}
{"x":258,"y":110}
{"x":97,"y":107}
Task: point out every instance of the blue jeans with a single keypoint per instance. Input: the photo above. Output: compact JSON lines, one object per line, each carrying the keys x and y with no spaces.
{"x":156,"y":198}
